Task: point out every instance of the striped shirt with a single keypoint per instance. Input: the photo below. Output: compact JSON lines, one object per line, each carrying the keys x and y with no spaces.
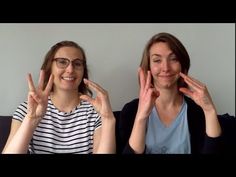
{"x":62,"y":132}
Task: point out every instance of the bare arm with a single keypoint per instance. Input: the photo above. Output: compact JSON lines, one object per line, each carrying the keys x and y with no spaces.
{"x":15,"y":124}
{"x":147,"y":97}
{"x":21,"y":133}
{"x":199,"y":93}
{"x":20,"y":136}
{"x":104,"y":137}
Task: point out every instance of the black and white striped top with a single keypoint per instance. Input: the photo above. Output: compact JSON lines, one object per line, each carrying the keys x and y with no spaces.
{"x":61,"y":132}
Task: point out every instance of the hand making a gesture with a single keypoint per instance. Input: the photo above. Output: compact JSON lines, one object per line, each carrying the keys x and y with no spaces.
{"x":101,"y":102}
{"x":198,"y":92}
{"x":38,"y":97}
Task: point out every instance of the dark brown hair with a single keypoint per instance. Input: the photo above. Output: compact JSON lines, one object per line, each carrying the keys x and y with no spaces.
{"x":47,"y":64}
{"x":175,"y":45}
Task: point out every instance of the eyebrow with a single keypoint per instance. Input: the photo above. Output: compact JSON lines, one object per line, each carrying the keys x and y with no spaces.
{"x":72,"y":59}
{"x":158,"y":55}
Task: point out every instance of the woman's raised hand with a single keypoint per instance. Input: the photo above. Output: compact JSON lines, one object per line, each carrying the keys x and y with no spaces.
{"x":101,"y":102}
{"x":147,"y":94}
{"x":198,"y":92}
{"x":38,"y":97}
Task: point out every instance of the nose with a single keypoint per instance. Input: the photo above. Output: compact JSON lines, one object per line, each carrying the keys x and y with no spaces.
{"x":70,"y":67}
{"x":165,"y":65}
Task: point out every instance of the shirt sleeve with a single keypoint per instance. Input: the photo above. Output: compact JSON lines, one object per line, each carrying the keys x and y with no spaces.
{"x":20,"y":112}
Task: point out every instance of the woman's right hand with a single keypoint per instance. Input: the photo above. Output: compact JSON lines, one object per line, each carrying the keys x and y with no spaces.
{"x":147,"y":94}
{"x":38,"y":97}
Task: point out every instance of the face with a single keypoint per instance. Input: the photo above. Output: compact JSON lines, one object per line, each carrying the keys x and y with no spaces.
{"x":165,"y":67}
{"x":70,"y":77}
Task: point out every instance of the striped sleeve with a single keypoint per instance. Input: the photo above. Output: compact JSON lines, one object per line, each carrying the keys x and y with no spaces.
{"x":98,"y":121}
{"x":20,"y":112}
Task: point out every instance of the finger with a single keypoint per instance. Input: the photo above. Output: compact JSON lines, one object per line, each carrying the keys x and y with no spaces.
{"x":93,"y":86}
{"x":41,"y":79}
{"x":153,"y":93}
{"x":35,"y":97}
{"x":49,"y":85}
{"x":156,"y":92}
{"x":142,"y":80}
{"x":186,"y":91}
{"x":148,"y":81}
{"x":191,"y":82}
{"x":195,"y":81}
{"x":87,"y":98}
{"x":30,"y":106}
{"x":30,"y":99}
{"x":31,"y":83}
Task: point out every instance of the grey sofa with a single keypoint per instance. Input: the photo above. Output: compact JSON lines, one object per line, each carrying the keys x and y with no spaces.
{"x":5,"y":124}
{"x":227,"y":122}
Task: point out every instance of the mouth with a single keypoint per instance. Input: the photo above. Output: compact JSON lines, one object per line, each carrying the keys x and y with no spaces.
{"x":68,"y":78}
{"x":165,"y":75}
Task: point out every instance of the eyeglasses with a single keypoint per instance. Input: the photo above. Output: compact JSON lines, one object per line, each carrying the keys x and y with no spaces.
{"x":64,"y":63}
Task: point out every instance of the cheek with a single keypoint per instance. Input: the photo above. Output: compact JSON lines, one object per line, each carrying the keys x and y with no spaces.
{"x":80,"y":75}
{"x":55,"y":71}
{"x":155,"y":70}
{"x":177,"y":67}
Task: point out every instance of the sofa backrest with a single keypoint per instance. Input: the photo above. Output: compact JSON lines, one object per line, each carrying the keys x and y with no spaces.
{"x":227,"y":122}
{"x":5,"y":125}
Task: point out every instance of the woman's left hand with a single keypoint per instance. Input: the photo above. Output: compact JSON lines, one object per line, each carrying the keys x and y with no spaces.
{"x":101,"y":102}
{"x":198,"y":92}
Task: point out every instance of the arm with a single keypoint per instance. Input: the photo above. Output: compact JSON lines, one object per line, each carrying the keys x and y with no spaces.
{"x":21,"y":133}
{"x":199,"y":94}
{"x":104,"y":137}
{"x":20,"y":136}
{"x":147,"y":97}
{"x":15,"y":124}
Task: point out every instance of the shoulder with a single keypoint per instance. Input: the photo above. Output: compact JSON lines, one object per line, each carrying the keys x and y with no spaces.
{"x":228,"y":122}
{"x":129,"y":110}
{"x":21,"y":111}
{"x":86,"y":105}
{"x":132,"y":105}
{"x":193,"y":109}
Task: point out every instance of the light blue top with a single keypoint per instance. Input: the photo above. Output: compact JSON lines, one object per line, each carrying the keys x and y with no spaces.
{"x":174,"y":139}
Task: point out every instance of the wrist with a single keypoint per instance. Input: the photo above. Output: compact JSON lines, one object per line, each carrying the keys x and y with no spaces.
{"x":33,"y":120}
{"x":211,"y":112}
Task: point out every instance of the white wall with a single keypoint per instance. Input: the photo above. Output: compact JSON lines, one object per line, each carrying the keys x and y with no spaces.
{"x":114,"y":52}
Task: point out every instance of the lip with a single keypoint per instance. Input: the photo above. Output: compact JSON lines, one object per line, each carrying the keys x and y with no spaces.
{"x":166,"y":75}
{"x":68,"y":78}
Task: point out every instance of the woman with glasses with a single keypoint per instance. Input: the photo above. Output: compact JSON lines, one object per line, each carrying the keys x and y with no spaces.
{"x":174,"y":113}
{"x":60,"y":115}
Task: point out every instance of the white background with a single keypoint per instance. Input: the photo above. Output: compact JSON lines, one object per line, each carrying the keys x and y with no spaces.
{"x":114,"y":52}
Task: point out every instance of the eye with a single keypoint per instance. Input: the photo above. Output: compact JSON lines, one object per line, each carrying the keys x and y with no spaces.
{"x":78,"y":63}
{"x":173,"y":58}
{"x":62,"y":61}
{"x":156,"y":60}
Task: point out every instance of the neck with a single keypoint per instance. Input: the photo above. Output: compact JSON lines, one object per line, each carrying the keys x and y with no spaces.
{"x":169,"y":98}
{"x":65,"y":101}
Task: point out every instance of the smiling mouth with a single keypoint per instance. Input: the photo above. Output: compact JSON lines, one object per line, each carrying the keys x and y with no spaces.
{"x":166,"y":76}
{"x":68,"y":78}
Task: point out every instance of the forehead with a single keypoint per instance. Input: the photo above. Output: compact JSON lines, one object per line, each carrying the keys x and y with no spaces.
{"x":69,"y":52}
{"x":160,"y":47}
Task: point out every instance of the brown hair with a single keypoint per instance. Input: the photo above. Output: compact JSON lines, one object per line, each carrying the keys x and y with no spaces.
{"x":47,"y":64}
{"x":175,"y":45}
